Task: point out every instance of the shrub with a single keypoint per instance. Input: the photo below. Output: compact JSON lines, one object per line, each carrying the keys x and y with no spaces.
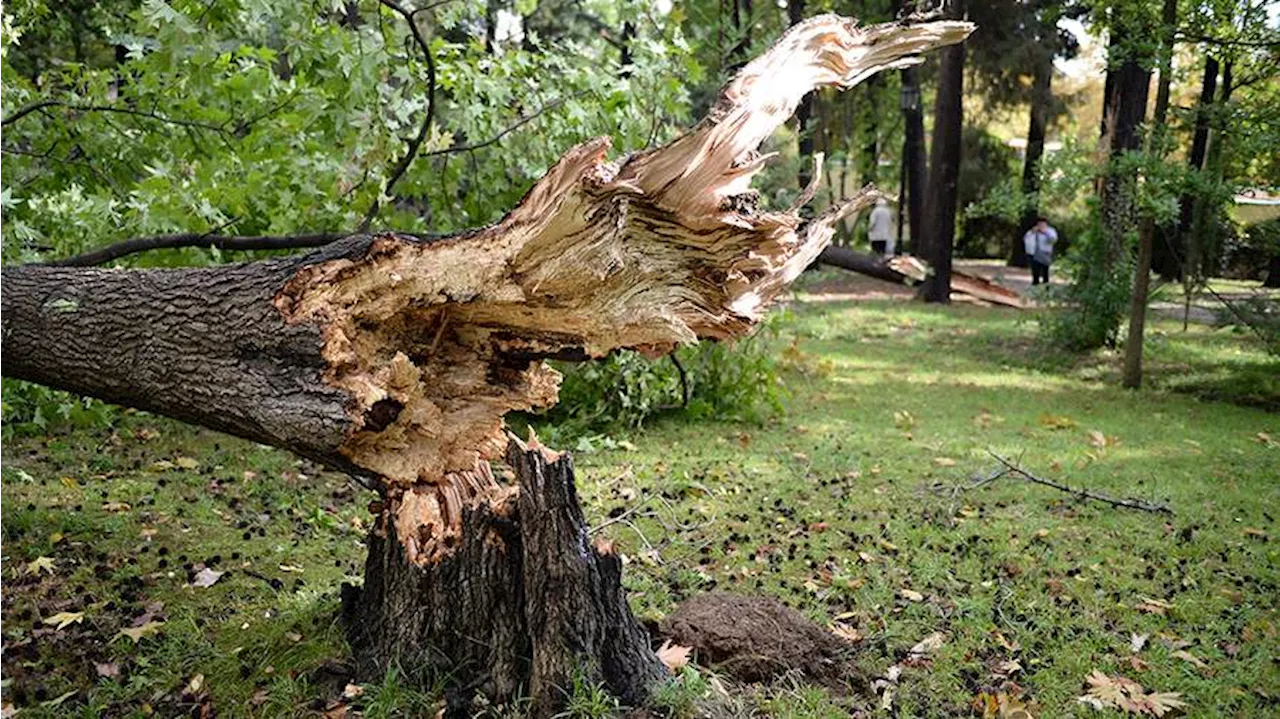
{"x":27,"y":407}
{"x":724,"y":380}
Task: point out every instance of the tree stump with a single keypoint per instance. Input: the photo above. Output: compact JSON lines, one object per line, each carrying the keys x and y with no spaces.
{"x":518,"y":606}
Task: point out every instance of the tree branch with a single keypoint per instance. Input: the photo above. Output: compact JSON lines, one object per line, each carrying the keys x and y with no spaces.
{"x":498,"y":137}
{"x":1222,"y":41}
{"x":208,"y":239}
{"x":1012,"y":469}
{"x":28,"y":109}
{"x":412,"y":150}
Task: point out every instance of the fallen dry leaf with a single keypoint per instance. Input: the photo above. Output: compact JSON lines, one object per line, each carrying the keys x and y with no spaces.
{"x":352,"y":691}
{"x":1117,"y":692}
{"x":911,"y":595}
{"x":116,"y":507}
{"x":1100,"y":440}
{"x":186,"y":463}
{"x":1190,"y":658}
{"x":673,"y":656}
{"x":1051,"y":421}
{"x":1137,"y":642}
{"x":206,"y":578}
{"x":944,"y":461}
{"x":1153,"y":606}
{"x":195,"y":685}
{"x":138,"y":633}
{"x":928,"y":645}
{"x":846,"y":632}
{"x":62,"y":619}
{"x":40,"y":564}
{"x":107,"y":669}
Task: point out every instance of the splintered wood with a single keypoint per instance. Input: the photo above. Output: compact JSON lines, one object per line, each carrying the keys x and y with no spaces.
{"x":436,"y":341}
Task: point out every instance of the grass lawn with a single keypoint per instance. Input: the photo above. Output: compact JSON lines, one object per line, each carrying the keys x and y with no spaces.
{"x":842,"y":507}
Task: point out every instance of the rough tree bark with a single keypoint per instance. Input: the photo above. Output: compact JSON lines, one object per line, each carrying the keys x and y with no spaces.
{"x":1171,"y":258}
{"x":913,"y":156}
{"x":944,"y":169}
{"x":396,"y":358}
{"x":1146,"y":233}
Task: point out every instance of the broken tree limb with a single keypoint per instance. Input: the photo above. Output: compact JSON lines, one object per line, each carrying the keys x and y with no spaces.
{"x":1010,"y":468}
{"x":908,"y":270}
{"x":396,"y":358}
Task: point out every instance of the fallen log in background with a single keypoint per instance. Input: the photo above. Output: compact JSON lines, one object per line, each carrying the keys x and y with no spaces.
{"x":396,"y":358}
{"x":908,"y":270}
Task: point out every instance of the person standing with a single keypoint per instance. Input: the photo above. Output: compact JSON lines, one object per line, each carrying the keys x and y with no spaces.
{"x":1038,"y":242}
{"x":880,"y":228}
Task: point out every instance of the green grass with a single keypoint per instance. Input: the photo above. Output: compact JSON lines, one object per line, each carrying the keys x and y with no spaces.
{"x":901,"y":403}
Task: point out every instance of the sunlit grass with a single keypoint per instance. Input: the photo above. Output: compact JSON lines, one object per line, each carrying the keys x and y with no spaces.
{"x":900,"y":404}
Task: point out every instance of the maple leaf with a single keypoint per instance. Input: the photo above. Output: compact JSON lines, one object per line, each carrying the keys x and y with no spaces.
{"x":62,"y":619}
{"x":40,"y":564}
{"x":673,"y":656}
{"x":138,"y":633}
{"x":846,"y":632}
{"x":1162,"y":703}
{"x":1117,"y":692}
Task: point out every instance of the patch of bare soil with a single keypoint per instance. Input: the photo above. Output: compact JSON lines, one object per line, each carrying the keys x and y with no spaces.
{"x":757,"y":639}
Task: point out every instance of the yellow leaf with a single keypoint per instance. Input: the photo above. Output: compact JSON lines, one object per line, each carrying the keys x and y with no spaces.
{"x":186,"y":463}
{"x":1056,"y":421}
{"x":62,"y":619}
{"x":944,"y":461}
{"x":69,"y":483}
{"x":138,"y":633}
{"x":40,"y":564}
{"x":846,"y":632}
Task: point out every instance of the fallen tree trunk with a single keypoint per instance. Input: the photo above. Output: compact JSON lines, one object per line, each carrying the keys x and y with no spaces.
{"x":908,"y":270}
{"x":395,"y":358}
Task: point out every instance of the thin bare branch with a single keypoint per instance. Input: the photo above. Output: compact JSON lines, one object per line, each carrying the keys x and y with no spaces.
{"x":498,"y":137}
{"x":411,"y":151}
{"x":1130,"y":503}
{"x":28,"y":109}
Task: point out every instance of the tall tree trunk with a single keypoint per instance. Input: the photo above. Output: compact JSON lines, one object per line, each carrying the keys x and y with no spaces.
{"x":1041,"y":99}
{"x":396,"y":359}
{"x":1177,"y":259}
{"x":1130,"y":102}
{"x":944,"y":169}
{"x":1146,"y":234}
{"x":913,"y":155}
{"x":1204,"y":225}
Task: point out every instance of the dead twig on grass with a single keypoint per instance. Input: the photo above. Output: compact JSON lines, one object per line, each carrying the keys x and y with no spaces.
{"x":1012,"y":469}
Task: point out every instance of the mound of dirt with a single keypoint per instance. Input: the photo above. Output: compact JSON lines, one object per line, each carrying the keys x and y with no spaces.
{"x":756,"y":639}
